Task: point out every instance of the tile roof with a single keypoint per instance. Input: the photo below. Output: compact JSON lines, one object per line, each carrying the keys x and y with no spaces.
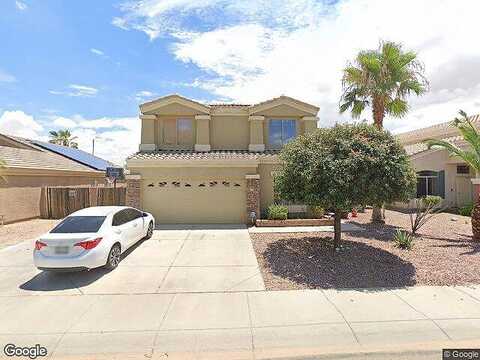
{"x":39,"y":159}
{"x":416,"y":148}
{"x":204,"y":155}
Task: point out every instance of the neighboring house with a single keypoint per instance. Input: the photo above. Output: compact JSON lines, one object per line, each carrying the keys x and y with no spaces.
{"x":203,"y":163}
{"x":31,"y":165}
{"x":437,"y":172}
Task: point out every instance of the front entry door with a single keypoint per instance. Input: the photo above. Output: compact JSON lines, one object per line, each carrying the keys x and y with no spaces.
{"x":463,"y":186}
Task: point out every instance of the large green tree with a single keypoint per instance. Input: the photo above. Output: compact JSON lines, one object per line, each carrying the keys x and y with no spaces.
{"x":470,"y":154}
{"x":63,"y":137}
{"x":345,"y":166}
{"x":382,"y":80}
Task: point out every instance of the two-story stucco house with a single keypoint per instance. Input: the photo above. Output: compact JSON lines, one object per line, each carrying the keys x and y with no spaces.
{"x":203,"y":163}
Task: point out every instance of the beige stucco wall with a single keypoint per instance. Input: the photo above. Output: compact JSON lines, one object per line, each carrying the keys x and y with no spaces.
{"x":229,"y":132}
{"x":20,"y":195}
{"x":266,"y":184}
{"x":437,"y":161}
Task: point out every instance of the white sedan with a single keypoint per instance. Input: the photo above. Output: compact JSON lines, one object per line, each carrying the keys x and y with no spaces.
{"x":92,"y":237}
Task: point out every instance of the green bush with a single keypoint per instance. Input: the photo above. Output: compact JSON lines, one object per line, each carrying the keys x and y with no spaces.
{"x":316,"y":212}
{"x":466,"y":210}
{"x":403,"y":240}
{"x":431,"y":200}
{"x":277,"y":212}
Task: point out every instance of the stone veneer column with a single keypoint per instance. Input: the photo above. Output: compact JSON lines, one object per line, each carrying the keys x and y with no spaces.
{"x":202,"y":142}
{"x":256,"y":133}
{"x":133,"y":197}
{"x":310,"y":124}
{"x":253,"y":196}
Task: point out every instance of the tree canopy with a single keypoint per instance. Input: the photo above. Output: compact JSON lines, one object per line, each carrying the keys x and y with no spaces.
{"x":63,"y":137}
{"x":345,"y":166}
{"x":382,"y":79}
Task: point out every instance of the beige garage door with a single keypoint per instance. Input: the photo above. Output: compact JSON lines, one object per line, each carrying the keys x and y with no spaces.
{"x":195,"y":202}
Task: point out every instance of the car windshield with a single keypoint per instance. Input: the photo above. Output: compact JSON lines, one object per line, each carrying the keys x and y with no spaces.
{"x":79,"y":224}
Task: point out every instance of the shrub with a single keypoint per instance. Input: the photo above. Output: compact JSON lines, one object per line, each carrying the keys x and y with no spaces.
{"x":403,"y":240}
{"x":466,"y":210}
{"x":431,"y":200}
{"x":316,"y":212}
{"x":424,"y":210}
{"x":277,"y":212}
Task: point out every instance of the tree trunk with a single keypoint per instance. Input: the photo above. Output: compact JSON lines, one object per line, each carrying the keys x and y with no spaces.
{"x":337,"y":228}
{"x":377,"y":215}
{"x":476,"y":221}
{"x":378,"y":109}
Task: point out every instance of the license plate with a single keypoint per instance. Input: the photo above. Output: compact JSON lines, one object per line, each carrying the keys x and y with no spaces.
{"x":61,"y":249}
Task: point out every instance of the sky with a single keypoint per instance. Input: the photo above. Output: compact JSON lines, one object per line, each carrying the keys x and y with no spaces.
{"x":87,"y":65}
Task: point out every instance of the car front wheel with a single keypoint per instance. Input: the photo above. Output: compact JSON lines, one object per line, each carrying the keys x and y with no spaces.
{"x":113,"y":257}
{"x":149,"y":231}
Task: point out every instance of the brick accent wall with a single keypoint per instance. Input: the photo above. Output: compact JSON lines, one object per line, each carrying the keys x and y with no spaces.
{"x":133,"y":193}
{"x":253,"y":197}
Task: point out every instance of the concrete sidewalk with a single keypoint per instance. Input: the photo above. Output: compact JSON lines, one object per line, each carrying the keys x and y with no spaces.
{"x":194,"y":294}
{"x":243,"y":325}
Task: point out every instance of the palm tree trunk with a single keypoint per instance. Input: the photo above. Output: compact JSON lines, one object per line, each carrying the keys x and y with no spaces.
{"x":378,"y":109}
{"x":476,"y":221}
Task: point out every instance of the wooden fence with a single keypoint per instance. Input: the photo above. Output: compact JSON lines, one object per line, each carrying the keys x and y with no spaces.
{"x":58,"y":202}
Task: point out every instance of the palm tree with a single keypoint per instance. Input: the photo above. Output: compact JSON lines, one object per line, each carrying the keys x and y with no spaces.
{"x":382,"y":79}
{"x":63,"y":137}
{"x":471,"y":156}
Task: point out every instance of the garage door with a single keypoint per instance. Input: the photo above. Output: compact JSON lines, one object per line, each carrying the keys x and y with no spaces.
{"x":195,"y":202}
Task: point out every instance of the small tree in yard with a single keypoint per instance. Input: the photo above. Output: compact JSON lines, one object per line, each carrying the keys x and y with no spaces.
{"x":345,"y":166}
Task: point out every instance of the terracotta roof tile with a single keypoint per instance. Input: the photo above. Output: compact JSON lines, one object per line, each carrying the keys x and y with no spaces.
{"x":206,"y":155}
{"x":416,"y":148}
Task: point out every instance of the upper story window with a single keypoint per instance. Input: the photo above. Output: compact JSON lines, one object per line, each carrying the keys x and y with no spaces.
{"x":178,"y":132}
{"x":281,"y":131}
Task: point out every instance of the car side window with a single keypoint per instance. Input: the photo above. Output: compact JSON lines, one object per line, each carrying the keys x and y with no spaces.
{"x":130,"y":215}
{"x":136,"y":214}
{"x":120,"y":218}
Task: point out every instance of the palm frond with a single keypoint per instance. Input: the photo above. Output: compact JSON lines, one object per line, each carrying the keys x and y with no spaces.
{"x":468,"y":156}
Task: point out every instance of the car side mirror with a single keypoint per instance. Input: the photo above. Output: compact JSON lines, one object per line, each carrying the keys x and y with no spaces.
{"x":144,"y":214}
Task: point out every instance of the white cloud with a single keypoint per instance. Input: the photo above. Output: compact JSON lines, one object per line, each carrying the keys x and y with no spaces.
{"x":250,"y":51}
{"x":76,"y":90}
{"x":21,"y":5}
{"x":17,"y":123}
{"x":64,"y":122}
{"x":97,"y":52}
{"x":6,"y":77}
{"x":115,"y":138}
{"x":144,"y":95}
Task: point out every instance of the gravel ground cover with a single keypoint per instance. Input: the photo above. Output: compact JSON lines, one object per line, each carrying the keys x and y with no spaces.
{"x":15,"y":233}
{"x":443,"y":254}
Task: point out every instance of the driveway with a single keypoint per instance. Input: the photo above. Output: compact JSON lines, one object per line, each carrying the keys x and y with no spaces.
{"x":196,"y":293}
{"x":176,"y":259}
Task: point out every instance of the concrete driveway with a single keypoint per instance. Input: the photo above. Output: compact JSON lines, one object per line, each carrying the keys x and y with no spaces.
{"x":196,"y":293}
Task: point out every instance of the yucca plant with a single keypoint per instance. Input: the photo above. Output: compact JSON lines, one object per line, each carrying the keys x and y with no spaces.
{"x":471,"y":156}
{"x":403,"y":240}
{"x":382,"y":79}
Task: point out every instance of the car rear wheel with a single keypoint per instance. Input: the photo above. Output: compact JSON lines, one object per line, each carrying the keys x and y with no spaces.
{"x":113,"y":257}
{"x":149,"y":231}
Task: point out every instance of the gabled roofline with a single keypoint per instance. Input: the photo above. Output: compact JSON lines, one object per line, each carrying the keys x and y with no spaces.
{"x":300,"y":105}
{"x":19,"y":141}
{"x":170,"y":99}
{"x":214,"y":109}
